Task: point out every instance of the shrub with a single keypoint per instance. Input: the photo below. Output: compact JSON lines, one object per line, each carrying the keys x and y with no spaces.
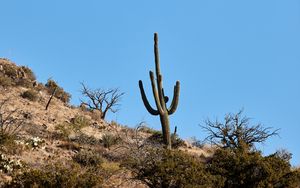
{"x":57,"y":175}
{"x":60,"y":94}
{"x":12,"y":147}
{"x":10,"y":123}
{"x":24,"y":83}
{"x":79,"y":122}
{"x":8,"y":165}
{"x":291,"y":179}
{"x":13,"y":75}
{"x":30,"y":95}
{"x":70,"y":146}
{"x":88,"y":158}
{"x":76,"y":123}
{"x":85,"y":139}
{"x":35,"y":142}
{"x":10,"y":71}
{"x":64,"y":130}
{"x":170,"y":168}
{"x":109,"y":140}
{"x":29,"y":73}
{"x":157,"y":138}
{"x":6,"y":81}
{"x":176,"y":141}
{"x":144,"y":128}
{"x":250,"y":169}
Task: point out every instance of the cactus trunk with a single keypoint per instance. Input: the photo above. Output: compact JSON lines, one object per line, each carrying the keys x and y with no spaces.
{"x":160,"y":98}
{"x":164,"y":120}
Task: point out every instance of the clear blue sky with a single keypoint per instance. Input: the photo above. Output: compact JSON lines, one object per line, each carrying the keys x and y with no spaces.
{"x":228,"y":55}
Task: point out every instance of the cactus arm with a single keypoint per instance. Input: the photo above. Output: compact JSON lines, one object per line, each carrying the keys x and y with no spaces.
{"x":175,"y":100}
{"x":145,"y":100}
{"x":158,"y":74}
{"x":155,"y":94}
{"x":160,"y":92}
{"x":156,"y":54}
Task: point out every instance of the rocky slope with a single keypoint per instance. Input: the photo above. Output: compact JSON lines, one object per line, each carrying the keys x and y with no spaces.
{"x":62,"y":131}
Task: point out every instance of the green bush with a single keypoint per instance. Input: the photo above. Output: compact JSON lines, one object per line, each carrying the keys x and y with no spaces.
{"x":109,"y":140}
{"x":60,"y":94}
{"x":76,"y":123}
{"x":250,"y":169}
{"x":79,"y":122}
{"x":170,"y":168}
{"x":30,"y":94}
{"x":88,"y":158}
{"x":291,"y":180}
{"x":57,"y":175}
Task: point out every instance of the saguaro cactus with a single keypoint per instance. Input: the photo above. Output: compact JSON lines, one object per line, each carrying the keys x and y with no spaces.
{"x":160,"y":99}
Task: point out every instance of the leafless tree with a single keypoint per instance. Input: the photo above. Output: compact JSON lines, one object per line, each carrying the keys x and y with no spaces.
{"x":236,"y":132}
{"x":102,"y":100}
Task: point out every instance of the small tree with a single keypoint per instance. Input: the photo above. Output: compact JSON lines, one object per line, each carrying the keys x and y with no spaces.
{"x":102,"y":100}
{"x":236,"y":132}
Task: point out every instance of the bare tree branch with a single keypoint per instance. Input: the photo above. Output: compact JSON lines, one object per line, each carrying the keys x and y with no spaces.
{"x":102,"y":100}
{"x":236,"y":132}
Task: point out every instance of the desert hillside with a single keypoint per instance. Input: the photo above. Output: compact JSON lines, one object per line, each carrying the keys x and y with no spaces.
{"x":65,"y":134}
{"x":47,"y":142}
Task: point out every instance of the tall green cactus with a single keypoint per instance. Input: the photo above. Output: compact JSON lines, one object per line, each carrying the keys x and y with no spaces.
{"x":160,"y":99}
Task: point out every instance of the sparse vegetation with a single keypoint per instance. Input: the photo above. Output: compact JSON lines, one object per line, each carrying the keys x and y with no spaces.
{"x":57,"y":175}
{"x":10,"y":123}
{"x":30,"y":94}
{"x":64,"y":130}
{"x":64,"y":147}
{"x":79,"y":122}
{"x":6,"y":81}
{"x":88,"y":158}
{"x":60,"y":94}
{"x":166,"y":168}
{"x":85,"y":139}
{"x":75,"y":125}
{"x":12,"y":75}
{"x":109,"y":140}
{"x":157,"y":138}
{"x":28,"y":72}
{"x":35,"y":142}
{"x":8,"y":165}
